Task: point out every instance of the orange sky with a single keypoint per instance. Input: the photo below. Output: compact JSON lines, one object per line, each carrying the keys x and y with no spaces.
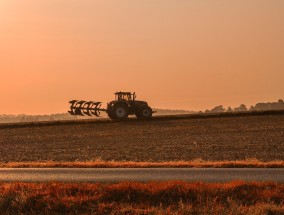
{"x":185,"y":54}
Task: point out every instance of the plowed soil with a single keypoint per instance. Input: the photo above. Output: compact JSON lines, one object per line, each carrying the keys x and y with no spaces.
{"x":224,"y":138}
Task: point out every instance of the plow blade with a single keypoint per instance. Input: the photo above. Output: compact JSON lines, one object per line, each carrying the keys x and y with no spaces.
{"x":85,"y":108}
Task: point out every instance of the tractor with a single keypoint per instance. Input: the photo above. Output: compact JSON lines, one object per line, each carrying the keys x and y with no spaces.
{"x":125,"y":104}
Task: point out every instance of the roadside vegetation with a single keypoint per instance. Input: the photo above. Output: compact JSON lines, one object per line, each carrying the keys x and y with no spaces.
{"x":197,"y":163}
{"x":142,"y":198}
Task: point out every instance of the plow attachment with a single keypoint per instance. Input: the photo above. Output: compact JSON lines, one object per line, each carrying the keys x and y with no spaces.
{"x":83,"y":108}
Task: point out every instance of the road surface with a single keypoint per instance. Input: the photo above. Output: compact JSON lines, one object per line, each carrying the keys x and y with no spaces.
{"x":140,"y":174}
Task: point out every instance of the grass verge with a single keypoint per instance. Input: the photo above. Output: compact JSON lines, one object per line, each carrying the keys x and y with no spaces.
{"x":197,"y":163}
{"x":171,"y":197}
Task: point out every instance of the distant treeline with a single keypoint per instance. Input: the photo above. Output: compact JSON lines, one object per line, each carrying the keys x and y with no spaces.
{"x":279,"y":105}
{"x":34,"y":118}
{"x":66,"y":116}
{"x":169,"y":112}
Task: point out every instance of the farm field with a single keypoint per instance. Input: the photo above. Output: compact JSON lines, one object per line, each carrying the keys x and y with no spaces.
{"x":209,"y":139}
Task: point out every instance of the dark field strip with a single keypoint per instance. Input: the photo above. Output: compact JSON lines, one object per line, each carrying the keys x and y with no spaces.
{"x":210,"y":139}
{"x":250,"y":163}
{"x":133,"y":119}
{"x":173,"y":197}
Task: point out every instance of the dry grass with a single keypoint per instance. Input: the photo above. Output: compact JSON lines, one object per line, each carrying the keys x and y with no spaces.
{"x":249,"y":163}
{"x":142,"y":198}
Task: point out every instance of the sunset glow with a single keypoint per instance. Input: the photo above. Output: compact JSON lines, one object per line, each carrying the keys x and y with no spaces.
{"x":185,"y":54}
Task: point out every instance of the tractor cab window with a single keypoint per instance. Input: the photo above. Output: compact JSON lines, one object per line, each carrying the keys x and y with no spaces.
{"x":126,"y":97}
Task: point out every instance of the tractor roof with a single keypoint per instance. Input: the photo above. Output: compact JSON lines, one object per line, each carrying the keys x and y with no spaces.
{"x":128,"y":93}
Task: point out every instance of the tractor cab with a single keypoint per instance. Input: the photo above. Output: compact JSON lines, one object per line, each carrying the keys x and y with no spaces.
{"x":125,"y":96}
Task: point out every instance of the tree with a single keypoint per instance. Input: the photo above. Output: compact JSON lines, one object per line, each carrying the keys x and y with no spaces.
{"x":230,"y":109}
{"x":241,"y":108}
{"x":252,"y":108}
{"x":218,"y":109}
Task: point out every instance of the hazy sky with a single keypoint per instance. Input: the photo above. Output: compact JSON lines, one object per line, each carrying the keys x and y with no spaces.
{"x":181,"y":54}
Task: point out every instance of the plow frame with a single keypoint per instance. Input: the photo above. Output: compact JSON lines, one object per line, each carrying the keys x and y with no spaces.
{"x":85,"y":108}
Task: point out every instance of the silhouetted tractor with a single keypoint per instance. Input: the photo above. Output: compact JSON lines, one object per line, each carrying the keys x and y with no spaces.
{"x":125,"y":104}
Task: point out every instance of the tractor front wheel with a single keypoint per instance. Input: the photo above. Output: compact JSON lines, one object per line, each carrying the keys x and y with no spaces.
{"x":144,"y":112}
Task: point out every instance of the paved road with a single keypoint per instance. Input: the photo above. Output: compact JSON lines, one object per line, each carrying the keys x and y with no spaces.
{"x":140,"y":174}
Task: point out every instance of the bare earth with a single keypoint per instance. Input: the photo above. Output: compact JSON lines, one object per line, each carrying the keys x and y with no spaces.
{"x":224,"y":138}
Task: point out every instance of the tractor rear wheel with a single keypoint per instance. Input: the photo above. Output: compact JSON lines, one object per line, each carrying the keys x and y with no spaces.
{"x":120,"y":111}
{"x":144,"y":112}
{"x":110,"y":115}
